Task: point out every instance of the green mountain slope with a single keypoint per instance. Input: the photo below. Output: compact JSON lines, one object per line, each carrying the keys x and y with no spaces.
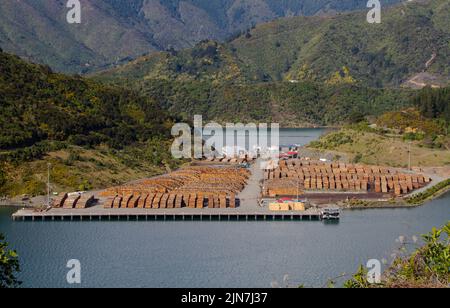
{"x":114,"y":31}
{"x":93,"y":135}
{"x":301,"y":70}
{"x":377,"y":55}
{"x":413,"y":38}
{"x":292,"y":105}
{"x":38,"y":105}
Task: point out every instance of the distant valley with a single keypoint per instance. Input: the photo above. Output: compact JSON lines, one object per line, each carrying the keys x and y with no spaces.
{"x":115,"y":31}
{"x":301,"y":71}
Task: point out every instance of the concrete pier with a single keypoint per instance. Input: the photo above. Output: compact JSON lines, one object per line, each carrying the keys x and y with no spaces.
{"x":98,"y":214}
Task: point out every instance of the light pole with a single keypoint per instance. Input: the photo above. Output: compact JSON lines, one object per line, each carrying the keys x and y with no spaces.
{"x":48,"y":184}
{"x":409,"y":156}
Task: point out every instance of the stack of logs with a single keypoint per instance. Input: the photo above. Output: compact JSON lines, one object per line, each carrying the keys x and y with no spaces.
{"x":231,"y":160}
{"x":73,"y":201}
{"x":193,"y":187}
{"x":295,"y":175}
{"x":171,"y":201}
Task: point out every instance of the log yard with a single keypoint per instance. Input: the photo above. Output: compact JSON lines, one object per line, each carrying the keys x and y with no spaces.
{"x":230,"y":189}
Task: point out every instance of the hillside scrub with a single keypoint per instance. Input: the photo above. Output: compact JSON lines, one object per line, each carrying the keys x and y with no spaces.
{"x":426,"y":267}
{"x":43,"y":113}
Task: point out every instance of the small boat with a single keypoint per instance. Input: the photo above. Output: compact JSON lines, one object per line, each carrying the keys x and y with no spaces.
{"x":331,"y":213}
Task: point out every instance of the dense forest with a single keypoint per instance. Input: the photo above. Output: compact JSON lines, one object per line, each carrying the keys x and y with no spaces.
{"x":40,"y":110}
{"x":92,"y":135}
{"x":434,"y":103}
{"x":290,"y":104}
{"x":427,"y":120}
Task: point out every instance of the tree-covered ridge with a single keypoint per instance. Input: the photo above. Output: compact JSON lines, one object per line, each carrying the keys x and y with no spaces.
{"x":420,"y":130}
{"x":306,"y":103}
{"x":379,"y":55}
{"x":115,"y":31}
{"x":38,"y":105}
{"x":429,"y":116}
{"x":343,"y":49}
{"x":92,"y":135}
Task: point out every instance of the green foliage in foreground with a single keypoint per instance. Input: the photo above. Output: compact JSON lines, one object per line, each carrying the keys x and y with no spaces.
{"x":428,"y":266}
{"x":9,"y":266}
{"x":422,"y":197}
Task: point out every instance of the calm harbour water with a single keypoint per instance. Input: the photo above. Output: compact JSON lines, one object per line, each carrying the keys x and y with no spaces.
{"x":214,"y":254}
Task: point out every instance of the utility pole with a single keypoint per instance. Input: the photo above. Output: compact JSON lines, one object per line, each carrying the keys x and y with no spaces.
{"x":48,"y":184}
{"x":409,"y":157}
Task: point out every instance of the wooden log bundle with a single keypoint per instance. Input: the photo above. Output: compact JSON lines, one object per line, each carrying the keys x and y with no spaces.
{"x":200,"y":201}
{"x":178,"y":201}
{"x":109,"y":202}
{"x":71,"y":201}
{"x":59,"y":201}
{"x":149,"y":201}
{"x":194,"y":187}
{"x":85,"y":201}
{"x":210,"y":201}
{"x":223,"y":201}
{"x":142,"y":201}
{"x":132,"y":203}
{"x":164,"y":200}
{"x":171,"y":201}
{"x":295,"y":174}
{"x":156,"y":201}
{"x":117,"y":202}
{"x":232,"y":203}
{"x":192,"y":201}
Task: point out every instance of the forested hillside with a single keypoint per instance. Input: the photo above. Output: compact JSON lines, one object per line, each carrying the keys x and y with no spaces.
{"x":434,"y":103}
{"x":291,"y":105}
{"x":344,"y":49}
{"x":114,"y":31}
{"x":92,"y":134}
{"x":422,"y":131}
{"x":38,"y":105}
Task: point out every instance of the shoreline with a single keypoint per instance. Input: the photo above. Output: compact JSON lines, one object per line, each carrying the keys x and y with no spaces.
{"x":40,"y":202}
{"x":12,"y":205}
{"x":399,"y":204}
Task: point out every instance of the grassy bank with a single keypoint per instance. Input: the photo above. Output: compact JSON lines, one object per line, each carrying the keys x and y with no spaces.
{"x":431,"y":193}
{"x":77,"y":168}
{"x":368,"y":146}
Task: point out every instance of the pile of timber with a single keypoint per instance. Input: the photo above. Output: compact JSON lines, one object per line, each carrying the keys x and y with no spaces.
{"x":71,"y":201}
{"x":231,"y":160}
{"x":193,"y":187}
{"x":173,"y":201}
{"x":296,"y":174}
{"x":74,"y":201}
{"x":59,"y":201}
{"x":192,"y":178}
{"x":85,"y":201}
